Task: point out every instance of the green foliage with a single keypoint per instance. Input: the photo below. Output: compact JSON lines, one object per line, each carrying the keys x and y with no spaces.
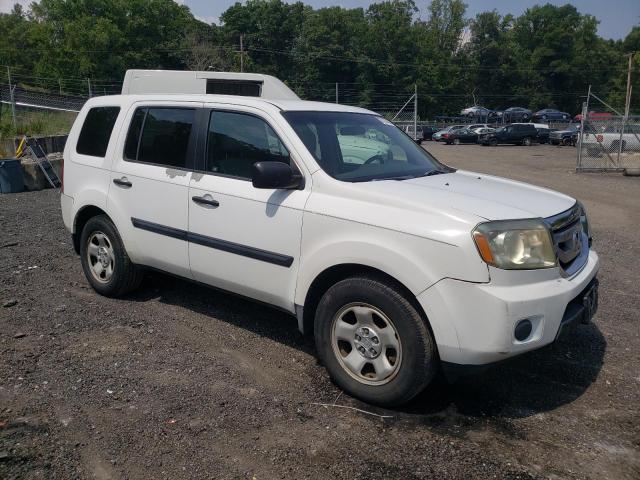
{"x":546,"y":57}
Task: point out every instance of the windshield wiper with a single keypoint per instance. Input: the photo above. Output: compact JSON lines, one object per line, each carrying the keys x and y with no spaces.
{"x":409,"y":177}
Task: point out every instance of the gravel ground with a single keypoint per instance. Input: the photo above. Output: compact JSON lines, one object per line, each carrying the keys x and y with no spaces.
{"x":178,"y":381}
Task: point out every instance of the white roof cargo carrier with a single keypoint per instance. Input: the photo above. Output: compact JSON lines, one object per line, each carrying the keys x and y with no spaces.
{"x":219,"y":83}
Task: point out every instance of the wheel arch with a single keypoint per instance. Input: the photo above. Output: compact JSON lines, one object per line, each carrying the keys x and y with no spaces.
{"x":83,"y":215}
{"x":335,"y":273}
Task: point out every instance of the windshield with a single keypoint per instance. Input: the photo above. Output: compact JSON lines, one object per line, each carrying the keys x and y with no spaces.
{"x":356,"y":147}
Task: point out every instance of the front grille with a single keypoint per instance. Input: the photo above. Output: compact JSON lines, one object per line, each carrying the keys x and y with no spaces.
{"x":569,"y":239}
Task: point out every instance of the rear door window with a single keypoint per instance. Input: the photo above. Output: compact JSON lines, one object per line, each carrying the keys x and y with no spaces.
{"x":160,"y":136}
{"x":96,"y":131}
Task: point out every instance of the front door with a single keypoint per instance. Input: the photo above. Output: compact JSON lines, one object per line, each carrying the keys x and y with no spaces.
{"x":150,"y":184}
{"x":243,"y":239}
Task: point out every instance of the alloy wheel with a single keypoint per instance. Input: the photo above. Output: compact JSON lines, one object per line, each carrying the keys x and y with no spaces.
{"x":366,"y":344}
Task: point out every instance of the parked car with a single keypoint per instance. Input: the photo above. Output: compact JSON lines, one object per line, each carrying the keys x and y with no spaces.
{"x":594,"y":116}
{"x":394,"y":274}
{"x":417,"y":135}
{"x":543,"y":132}
{"x":550,"y":114}
{"x":428,"y":131}
{"x":610,"y":140}
{"x":481,"y":130}
{"x":476,"y":112}
{"x":438,"y":135}
{"x":460,"y":135}
{"x":517,"y":134}
{"x":516,"y":114}
{"x":564,"y":136}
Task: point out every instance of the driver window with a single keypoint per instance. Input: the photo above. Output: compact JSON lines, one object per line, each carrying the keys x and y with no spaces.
{"x":238,"y":140}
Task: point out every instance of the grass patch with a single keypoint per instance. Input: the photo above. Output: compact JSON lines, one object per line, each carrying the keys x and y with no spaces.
{"x":34,"y":122}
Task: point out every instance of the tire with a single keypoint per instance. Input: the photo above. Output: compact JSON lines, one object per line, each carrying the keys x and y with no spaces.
{"x":526,"y":141}
{"x":101,"y":249}
{"x":493,"y":142}
{"x":382,"y":308}
{"x":456,"y":141}
{"x":566,"y":141}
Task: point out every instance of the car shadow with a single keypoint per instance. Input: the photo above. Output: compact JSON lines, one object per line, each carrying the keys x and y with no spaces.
{"x":530,"y":384}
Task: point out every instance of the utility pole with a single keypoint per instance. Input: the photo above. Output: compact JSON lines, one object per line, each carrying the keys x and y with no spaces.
{"x":242,"y":52}
{"x":336,"y":92}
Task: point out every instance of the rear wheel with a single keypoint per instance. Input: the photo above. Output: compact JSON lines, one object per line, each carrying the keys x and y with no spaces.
{"x":373,"y":342}
{"x":105,"y":261}
{"x":456,"y":141}
{"x":526,"y":141}
{"x":493,"y":142}
{"x":566,"y":141}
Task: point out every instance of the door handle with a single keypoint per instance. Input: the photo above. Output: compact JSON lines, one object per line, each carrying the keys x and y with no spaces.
{"x":123,"y":182}
{"x":206,"y":201}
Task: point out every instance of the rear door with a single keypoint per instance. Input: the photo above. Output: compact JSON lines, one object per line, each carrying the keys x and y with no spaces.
{"x":243,"y":239}
{"x":150,"y":183}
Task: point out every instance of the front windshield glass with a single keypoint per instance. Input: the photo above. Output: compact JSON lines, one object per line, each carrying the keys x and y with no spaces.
{"x":356,"y":147}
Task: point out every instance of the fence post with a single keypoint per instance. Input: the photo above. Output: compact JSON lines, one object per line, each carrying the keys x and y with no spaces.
{"x":12,"y":98}
{"x":89,"y":85}
{"x":585,"y":111}
{"x":415,"y":110}
{"x":336,"y":92}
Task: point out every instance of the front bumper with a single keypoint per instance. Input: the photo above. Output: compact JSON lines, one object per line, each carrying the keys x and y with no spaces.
{"x":473,"y":323}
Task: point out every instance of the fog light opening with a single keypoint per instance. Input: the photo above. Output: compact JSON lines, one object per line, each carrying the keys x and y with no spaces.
{"x":523,"y":330}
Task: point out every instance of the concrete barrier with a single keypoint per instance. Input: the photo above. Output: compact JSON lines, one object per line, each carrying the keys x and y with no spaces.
{"x":33,"y":177}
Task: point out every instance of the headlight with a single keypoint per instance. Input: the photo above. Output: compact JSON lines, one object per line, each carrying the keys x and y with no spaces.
{"x":515,"y":244}
{"x":585,"y":222}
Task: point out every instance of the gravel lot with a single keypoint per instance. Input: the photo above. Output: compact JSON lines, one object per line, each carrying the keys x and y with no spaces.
{"x":178,"y":381}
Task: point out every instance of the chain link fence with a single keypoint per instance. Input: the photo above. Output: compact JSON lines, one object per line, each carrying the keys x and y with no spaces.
{"x":609,"y":144}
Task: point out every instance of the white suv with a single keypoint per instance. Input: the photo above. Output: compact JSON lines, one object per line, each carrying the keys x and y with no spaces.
{"x":396,"y":263}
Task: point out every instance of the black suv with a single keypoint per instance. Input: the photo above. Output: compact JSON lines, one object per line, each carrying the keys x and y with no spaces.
{"x":519,"y":134}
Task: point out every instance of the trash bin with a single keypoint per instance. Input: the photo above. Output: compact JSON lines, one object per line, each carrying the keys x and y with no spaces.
{"x":10,"y":176}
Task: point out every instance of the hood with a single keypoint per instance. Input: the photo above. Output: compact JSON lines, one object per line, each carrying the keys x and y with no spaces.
{"x":485,"y":196}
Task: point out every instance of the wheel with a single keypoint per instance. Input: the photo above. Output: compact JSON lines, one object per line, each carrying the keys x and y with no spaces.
{"x":448,"y":142}
{"x":493,"y":142}
{"x":526,"y":141}
{"x":566,"y":141}
{"x":373,"y":342}
{"x":105,"y":261}
{"x":456,"y":141}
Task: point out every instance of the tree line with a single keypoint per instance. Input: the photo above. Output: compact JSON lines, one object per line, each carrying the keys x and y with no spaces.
{"x":546,"y":57}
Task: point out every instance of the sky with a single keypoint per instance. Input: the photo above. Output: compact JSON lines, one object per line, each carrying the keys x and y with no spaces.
{"x":616,"y":16}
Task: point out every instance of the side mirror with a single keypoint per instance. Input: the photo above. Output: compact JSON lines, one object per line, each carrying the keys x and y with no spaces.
{"x":276,"y":175}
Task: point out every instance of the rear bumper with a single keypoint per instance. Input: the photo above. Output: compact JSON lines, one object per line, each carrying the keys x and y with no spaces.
{"x":66,"y":205}
{"x":474,"y":323}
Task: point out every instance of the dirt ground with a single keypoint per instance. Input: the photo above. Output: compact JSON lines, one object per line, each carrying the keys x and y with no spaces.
{"x":179,"y":381}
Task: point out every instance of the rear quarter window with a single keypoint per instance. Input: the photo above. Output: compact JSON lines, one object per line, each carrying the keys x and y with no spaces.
{"x":96,"y":131}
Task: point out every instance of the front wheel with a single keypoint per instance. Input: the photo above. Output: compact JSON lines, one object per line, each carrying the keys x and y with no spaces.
{"x":373,"y":342}
{"x":104,"y":259}
{"x":456,"y":141}
{"x":526,"y":141}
